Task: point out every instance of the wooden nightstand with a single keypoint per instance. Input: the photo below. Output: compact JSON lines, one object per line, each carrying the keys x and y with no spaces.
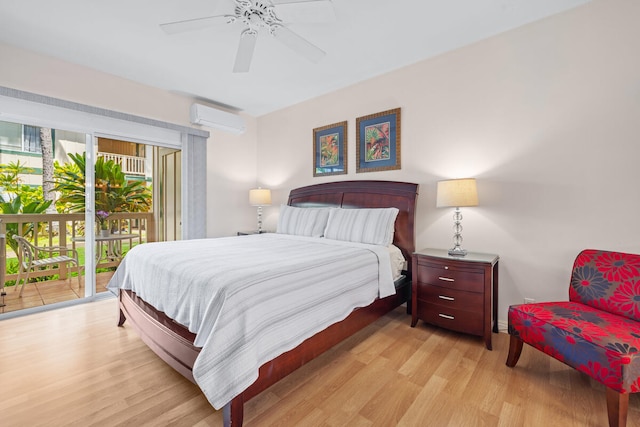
{"x":457,"y":293}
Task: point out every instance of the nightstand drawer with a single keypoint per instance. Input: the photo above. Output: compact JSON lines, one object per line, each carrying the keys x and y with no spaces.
{"x":450,"y":298}
{"x":463,"y":279}
{"x":470,"y":322}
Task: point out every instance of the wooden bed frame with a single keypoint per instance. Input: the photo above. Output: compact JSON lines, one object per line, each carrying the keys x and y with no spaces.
{"x":174,"y":343}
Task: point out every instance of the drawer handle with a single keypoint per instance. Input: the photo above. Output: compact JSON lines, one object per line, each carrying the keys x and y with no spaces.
{"x":446,"y":316}
{"x":446,"y":298}
{"x":446,"y":279}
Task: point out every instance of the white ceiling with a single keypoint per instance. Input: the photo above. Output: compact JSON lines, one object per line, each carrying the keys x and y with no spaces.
{"x":368,"y":38}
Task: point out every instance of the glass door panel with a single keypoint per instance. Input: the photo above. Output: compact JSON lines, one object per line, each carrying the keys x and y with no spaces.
{"x":123,"y":203}
{"x":31,"y":207}
{"x":169,"y":194}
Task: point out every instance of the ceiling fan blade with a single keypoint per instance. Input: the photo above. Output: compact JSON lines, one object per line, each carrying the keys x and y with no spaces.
{"x":305,"y":11}
{"x":245,"y":51}
{"x":298,"y":44}
{"x":194,"y":24}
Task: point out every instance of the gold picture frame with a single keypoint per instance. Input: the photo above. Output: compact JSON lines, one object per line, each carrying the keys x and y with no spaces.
{"x":330,"y":150}
{"x":378,"y":141}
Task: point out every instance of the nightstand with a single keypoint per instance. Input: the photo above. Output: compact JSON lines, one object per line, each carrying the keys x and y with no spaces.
{"x":457,"y":293}
{"x":246,"y":233}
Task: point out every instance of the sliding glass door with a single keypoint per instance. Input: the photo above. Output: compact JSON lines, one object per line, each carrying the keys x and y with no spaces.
{"x":44,"y":173}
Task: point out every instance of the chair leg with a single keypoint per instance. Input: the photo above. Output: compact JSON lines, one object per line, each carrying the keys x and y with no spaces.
{"x":15,"y":288}
{"x":26,"y":279}
{"x":72,"y":264}
{"x":515,"y":348}
{"x":617,"y":406}
{"x":79,"y":270}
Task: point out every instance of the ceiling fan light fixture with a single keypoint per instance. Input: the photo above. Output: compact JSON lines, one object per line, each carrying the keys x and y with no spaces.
{"x":256,"y":14}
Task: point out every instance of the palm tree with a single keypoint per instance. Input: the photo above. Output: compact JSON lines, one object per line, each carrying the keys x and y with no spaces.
{"x":10,"y":176}
{"x":21,"y":199}
{"x":16,"y":206}
{"x":113,"y":193}
{"x":46,"y":146}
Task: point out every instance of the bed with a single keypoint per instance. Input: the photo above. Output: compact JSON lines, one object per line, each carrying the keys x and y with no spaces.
{"x":176,"y":345}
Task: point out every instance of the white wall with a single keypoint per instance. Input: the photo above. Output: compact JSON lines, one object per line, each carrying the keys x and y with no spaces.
{"x":231,"y":173}
{"x":231,"y":159}
{"x":546,"y":117}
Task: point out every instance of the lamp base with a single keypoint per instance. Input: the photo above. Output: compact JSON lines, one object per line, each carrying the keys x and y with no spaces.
{"x":457,"y":251}
{"x":259,"y":219}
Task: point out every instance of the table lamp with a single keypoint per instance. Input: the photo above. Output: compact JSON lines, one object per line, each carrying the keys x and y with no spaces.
{"x":457,"y":193}
{"x":260,"y":197}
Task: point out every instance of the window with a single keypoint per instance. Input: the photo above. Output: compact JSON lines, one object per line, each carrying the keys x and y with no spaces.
{"x":31,"y":139}
{"x":11,"y":136}
{"x":19,"y":137}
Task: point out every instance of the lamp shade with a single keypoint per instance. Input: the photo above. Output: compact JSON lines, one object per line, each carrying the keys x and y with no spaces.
{"x":260,"y":197}
{"x":457,"y":193}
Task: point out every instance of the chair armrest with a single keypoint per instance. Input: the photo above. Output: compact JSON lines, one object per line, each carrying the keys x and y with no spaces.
{"x":49,"y":249}
{"x":60,"y":249}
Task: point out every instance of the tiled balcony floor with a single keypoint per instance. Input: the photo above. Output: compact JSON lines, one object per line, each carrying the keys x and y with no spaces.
{"x":49,"y":292}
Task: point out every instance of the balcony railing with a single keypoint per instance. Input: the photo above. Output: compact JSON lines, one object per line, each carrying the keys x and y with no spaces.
{"x":68,"y":230}
{"x":131,"y":165}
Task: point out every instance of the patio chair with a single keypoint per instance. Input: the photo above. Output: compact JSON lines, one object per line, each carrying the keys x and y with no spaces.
{"x":31,"y":257}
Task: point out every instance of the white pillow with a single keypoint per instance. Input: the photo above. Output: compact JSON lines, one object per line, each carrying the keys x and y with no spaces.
{"x":398,"y":263}
{"x":309,"y":222}
{"x":372,"y":226}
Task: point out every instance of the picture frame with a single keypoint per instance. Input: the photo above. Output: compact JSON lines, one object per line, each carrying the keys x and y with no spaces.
{"x":378,"y":141}
{"x":330,"y":149}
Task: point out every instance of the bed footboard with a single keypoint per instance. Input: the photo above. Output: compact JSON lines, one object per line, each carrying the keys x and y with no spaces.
{"x":168,"y":339}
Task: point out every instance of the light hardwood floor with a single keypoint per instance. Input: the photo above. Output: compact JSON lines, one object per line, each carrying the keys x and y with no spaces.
{"x":74,"y":367}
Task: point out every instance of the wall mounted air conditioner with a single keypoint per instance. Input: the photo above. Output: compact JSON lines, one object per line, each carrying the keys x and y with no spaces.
{"x":217,"y":119}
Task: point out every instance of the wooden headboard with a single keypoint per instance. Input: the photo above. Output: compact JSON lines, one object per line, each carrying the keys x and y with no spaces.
{"x":367,"y":194}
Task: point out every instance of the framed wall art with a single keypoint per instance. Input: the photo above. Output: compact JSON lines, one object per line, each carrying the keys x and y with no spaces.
{"x":378,"y":141}
{"x":330,"y":150}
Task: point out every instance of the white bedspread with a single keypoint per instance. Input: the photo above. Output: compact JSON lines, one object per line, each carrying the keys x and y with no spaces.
{"x":249,"y":299}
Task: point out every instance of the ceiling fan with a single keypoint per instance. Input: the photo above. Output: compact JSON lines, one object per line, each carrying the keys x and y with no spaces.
{"x":271,"y":15}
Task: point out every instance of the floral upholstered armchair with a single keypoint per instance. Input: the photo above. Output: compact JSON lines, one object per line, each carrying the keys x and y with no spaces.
{"x":596,"y":332}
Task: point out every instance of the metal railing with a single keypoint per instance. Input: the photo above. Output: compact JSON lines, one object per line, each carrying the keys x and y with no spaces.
{"x":69,"y":230}
{"x":131,"y":165}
